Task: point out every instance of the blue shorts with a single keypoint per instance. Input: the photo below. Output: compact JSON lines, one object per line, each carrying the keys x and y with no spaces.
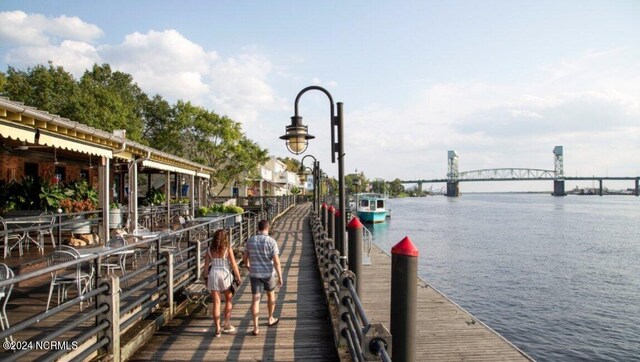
{"x":258,"y":284}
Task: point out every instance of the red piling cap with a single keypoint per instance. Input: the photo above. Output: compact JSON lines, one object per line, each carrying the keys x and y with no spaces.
{"x":331,"y":209}
{"x":355,"y":223}
{"x":405,"y":247}
{"x":324,"y":205}
{"x":338,"y":213}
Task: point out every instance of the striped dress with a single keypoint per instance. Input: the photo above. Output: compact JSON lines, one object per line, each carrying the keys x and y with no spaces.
{"x":219,"y":273}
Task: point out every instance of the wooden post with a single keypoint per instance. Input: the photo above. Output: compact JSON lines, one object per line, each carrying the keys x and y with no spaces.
{"x":103,"y":193}
{"x":168,"y":278}
{"x":112,"y":316}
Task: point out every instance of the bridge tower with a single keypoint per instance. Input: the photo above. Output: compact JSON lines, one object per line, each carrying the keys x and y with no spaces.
{"x":453,"y":189}
{"x":558,"y":182}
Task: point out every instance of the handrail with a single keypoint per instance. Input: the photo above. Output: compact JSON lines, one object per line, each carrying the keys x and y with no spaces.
{"x":139,"y":294}
{"x":364,"y":340}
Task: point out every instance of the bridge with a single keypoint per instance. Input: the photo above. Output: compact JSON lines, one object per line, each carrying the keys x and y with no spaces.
{"x":454,"y":177}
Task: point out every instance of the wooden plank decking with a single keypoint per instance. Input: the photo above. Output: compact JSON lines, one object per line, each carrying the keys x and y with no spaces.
{"x":445,"y":332}
{"x":304,"y":332}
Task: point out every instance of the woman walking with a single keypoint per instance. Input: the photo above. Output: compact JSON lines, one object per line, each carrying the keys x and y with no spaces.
{"x":220,"y":262}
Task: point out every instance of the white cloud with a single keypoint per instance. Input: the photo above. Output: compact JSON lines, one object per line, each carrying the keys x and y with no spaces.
{"x":589,"y":104}
{"x":163,"y":62}
{"x":22,"y":29}
{"x":75,"y":56}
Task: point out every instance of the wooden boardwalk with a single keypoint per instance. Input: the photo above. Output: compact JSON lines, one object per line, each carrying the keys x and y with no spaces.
{"x":445,"y":332}
{"x":303,"y":333}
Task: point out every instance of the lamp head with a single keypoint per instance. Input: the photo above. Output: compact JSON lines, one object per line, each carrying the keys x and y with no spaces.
{"x":297,"y":136}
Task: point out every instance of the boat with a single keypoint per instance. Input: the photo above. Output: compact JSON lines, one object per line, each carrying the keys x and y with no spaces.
{"x":372,"y":208}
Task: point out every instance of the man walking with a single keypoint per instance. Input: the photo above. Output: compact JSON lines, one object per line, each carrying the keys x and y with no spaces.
{"x":262,"y":260}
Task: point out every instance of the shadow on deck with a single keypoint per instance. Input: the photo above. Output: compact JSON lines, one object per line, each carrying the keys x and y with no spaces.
{"x":303,"y":333}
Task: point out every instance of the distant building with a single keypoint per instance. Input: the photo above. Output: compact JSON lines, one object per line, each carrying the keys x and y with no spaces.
{"x":271,"y":179}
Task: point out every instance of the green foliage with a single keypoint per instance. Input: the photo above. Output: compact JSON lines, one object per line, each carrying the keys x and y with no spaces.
{"x":109,"y":100}
{"x":395,"y":187}
{"x":216,"y":208}
{"x":25,"y":195}
{"x":3,"y":82}
{"x":295,"y":191}
{"x":40,"y":194}
{"x":49,"y":88}
{"x":50,"y":195}
{"x":180,"y":200}
{"x":293,"y":165}
{"x":114,"y":206}
{"x":81,"y":190}
{"x":202,"y":211}
{"x":154,"y":197}
{"x":359,"y":178}
{"x":233,"y":209}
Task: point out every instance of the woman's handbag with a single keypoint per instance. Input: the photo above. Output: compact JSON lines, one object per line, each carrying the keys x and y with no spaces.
{"x":235,"y":284}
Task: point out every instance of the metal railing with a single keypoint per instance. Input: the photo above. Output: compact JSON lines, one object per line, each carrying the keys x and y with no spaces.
{"x":367,"y":241}
{"x":365,"y":341}
{"x":114,"y":305}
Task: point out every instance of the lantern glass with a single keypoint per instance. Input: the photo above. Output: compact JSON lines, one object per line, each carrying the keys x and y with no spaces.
{"x":297,"y":143}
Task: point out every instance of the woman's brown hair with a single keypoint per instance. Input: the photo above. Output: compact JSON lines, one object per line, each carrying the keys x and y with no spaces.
{"x":220,"y":241}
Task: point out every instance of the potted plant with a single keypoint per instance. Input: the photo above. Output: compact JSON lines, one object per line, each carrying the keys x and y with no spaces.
{"x":81,"y":225}
{"x":115,"y":216}
{"x":233,"y":209}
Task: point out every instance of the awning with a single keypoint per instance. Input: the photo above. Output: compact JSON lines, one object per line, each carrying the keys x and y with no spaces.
{"x":53,"y":140}
{"x":164,"y":167}
{"x":203,"y":175}
{"x":17,"y":132}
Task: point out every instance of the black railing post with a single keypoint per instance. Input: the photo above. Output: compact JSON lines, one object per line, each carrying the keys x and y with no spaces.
{"x":331,"y":219}
{"x":324,"y":215}
{"x":404,"y":274}
{"x":354,"y":232}
{"x":339,"y":232}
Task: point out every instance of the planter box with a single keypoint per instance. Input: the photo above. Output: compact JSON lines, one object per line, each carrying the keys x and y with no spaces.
{"x":78,"y":225}
{"x":229,"y":221}
{"x":115,"y":219}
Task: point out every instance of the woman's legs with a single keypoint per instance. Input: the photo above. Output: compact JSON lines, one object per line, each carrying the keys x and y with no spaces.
{"x":215,"y":309}
{"x":228,"y":306}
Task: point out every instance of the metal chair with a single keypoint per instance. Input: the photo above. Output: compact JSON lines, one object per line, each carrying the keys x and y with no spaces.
{"x":8,"y":237}
{"x":118,"y":260}
{"x":47,"y":229}
{"x":62,"y":281}
{"x":5,"y":293}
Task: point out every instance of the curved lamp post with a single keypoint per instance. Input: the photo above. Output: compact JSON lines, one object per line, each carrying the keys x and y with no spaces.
{"x":314,"y":172}
{"x":297,"y":137}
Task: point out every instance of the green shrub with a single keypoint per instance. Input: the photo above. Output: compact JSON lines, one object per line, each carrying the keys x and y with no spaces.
{"x":202,"y":211}
{"x":232,"y":209}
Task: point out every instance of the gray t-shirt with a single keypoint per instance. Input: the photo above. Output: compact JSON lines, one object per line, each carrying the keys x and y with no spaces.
{"x":261,"y":249}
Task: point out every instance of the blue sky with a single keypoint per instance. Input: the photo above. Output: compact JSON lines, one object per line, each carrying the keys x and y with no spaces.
{"x":501,"y":82}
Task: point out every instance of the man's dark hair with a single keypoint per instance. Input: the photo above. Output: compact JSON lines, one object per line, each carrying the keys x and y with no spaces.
{"x":263,"y":225}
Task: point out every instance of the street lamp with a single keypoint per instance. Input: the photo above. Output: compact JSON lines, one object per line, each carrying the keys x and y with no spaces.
{"x":355,"y":183}
{"x":297,"y":137}
{"x":315,"y":172}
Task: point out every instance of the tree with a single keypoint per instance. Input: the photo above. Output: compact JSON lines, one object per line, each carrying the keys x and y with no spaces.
{"x":48,"y":88}
{"x":396,"y":187}
{"x":3,"y":82}
{"x":292,"y":164}
{"x":109,"y":100}
{"x":361,"y":180}
{"x":216,"y":141}
{"x":380,"y":186}
{"x":159,"y":126}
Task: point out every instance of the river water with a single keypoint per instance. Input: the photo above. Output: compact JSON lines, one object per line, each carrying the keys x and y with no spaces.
{"x":557,"y":276}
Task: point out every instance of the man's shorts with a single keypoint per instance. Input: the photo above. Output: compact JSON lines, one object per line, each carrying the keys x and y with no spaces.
{"x":258,"y":284}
